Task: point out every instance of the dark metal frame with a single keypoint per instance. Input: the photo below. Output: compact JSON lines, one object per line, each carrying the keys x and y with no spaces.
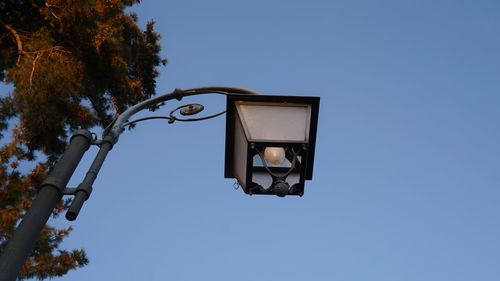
{"x":256,"y":148}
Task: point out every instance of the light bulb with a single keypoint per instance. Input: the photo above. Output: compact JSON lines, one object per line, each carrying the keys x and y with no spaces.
{"x":274,"y":155}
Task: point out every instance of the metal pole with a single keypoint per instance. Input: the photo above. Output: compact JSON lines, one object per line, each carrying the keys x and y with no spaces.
{"x":22,"y":242}
{"x":84,"y":189}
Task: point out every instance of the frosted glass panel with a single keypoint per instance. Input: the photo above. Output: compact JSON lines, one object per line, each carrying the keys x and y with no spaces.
{"x":263,"y":179}
{"x":275,"y":122}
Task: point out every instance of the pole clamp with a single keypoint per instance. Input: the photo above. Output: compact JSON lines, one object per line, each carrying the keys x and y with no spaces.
{"x":53,"y":182}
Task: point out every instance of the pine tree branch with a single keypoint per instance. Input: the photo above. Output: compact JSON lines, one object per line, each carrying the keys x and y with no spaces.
{"x":37,"y":56}
{"x":53,"y":48}
{"x":50,"y":6}
{"x":17,"y":38}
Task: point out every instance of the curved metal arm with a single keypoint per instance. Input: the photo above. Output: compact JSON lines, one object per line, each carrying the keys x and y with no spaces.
{"x":110,"y":137}
{"x":119,"y":124}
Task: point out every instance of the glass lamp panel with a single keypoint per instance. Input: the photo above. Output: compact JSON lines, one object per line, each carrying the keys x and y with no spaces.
{"x":293,"y":178}
{"x":275,"y":121}
{"x":262,"y":178}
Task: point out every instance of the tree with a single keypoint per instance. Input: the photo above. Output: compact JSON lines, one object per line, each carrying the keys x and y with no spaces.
{"x":74,"y":64}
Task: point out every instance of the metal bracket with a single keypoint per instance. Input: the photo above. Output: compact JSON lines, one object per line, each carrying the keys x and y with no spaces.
{"x":99,"y":142}
{"x":52,"y":181}
{"x":69,"y":191}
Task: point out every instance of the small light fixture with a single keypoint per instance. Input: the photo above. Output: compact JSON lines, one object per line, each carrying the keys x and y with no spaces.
{"x":270,"y":142}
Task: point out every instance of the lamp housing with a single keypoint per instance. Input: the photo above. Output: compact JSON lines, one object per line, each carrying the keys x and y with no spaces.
{"x":270,"y":142}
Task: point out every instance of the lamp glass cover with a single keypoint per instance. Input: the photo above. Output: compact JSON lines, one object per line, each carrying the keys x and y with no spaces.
{"x":275,"y":121}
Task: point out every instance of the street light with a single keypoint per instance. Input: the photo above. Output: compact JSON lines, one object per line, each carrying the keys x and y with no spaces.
{"x":270,"y":144}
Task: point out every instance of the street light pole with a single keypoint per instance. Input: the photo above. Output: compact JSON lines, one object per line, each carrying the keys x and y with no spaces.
{"x":54,"y":187}
{"x":282,"y":125}
{"x":51,"y":191}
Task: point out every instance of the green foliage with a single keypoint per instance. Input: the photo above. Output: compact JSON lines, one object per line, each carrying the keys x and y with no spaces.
{"x":73,"y":64}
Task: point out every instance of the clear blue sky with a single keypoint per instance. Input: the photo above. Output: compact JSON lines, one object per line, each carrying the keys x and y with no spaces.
{"x":407,"y":174}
